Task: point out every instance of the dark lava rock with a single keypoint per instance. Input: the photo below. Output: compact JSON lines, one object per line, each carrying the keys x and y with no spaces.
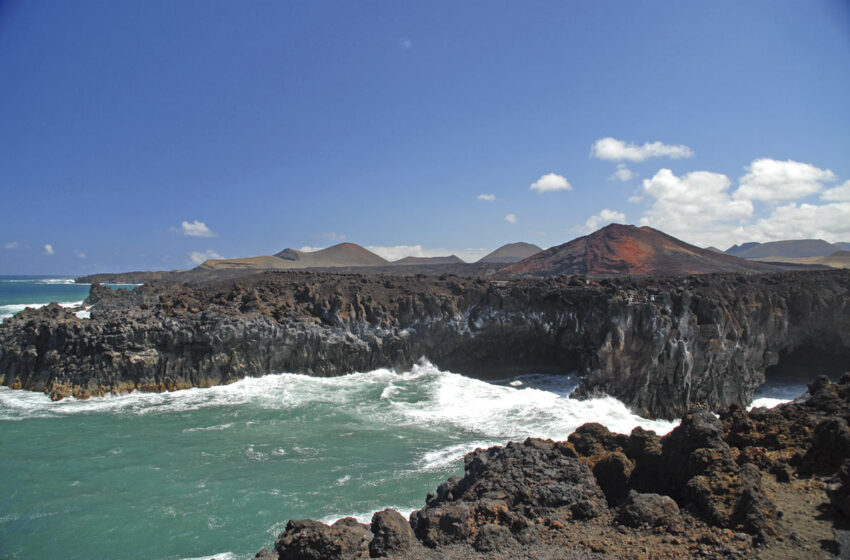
{"x":830,"y":446}
{"x":613,"y":472}
{"x":493,"y":538}
{"x":392,"y":534}
{"x":839,"y":493}
{"x":702,"y":473}
{"x":653,"y":510}
{"x":347,"y":539}
{"x":266,"y":554}
{"x":511,"y":486}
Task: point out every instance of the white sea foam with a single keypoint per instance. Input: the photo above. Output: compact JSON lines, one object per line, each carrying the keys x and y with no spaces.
{"x":424,"y":396}
{"x":767,"y":402}
{"x":219,"y":556}
{"x":48,"y":281}
{"x":365,"y":516}
{"x":450,"y":456}
{"x":216,"y":428}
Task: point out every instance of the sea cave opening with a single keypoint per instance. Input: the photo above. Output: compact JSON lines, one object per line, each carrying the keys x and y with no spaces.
{"x":797,"y":368}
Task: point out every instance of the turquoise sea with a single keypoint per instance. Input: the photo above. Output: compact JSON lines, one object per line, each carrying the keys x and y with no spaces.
{"x":216,"y":473}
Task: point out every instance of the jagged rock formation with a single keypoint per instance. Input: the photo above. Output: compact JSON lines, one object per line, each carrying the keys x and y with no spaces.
{"x":658,"y":345}
{"x":745,"y":485}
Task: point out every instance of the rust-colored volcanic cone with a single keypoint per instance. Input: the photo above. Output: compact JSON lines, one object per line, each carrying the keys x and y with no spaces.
{"x":619,"y":249}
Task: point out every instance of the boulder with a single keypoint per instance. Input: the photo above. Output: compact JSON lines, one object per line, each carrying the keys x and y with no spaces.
{"x":392,"y":535}
{"x":347,"y":539}
{"x":653,"y":510}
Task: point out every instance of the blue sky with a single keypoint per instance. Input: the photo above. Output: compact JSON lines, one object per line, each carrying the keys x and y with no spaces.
{"x":266,"y":125}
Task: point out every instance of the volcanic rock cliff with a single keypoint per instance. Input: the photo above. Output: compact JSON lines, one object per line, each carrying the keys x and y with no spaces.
{"x":659,"y":345}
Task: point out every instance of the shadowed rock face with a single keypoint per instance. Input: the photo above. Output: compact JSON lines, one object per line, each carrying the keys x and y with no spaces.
{"x":658,"y":344}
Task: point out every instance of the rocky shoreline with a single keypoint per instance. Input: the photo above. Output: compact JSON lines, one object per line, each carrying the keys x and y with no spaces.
{"x":769,"y":483}
{"x":658,"y":344}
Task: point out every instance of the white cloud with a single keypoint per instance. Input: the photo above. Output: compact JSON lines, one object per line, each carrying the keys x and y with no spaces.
{"x":48,"y":249}
{"x":510,"y":218}
{"x":80,"y":254}
{"x":198,"y":257}
{"x":841,"y":193}
{"x":551,"y":182}
{"x":196,"y":229}
{"x":487,"y":197}
{"x":800,"y":221}
{"x":310,"y":249}
{"x":771,"y":180}
{"x":11,"y":245}
{"x":695,"y":207}
{"x":405,"y":43}
{"x":623,"y":173}
{"x":396,"y":252}
{"x":616,"y":150}
{"x":604,"y":218}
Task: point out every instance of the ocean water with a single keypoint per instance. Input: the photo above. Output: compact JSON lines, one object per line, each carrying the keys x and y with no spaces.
{"x":18,"y":292}
{"x":215,"y":473}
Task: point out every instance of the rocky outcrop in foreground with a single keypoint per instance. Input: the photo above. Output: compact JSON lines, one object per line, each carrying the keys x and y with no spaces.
{"x":657,"y":344}
{"x":764,"y":484}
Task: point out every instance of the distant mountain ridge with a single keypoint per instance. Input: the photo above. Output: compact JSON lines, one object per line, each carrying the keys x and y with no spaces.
{"x":510,"y":253}
{"x":838,"y":259}
{"x":451,"y":259}
{"x":625,"y":249}
{"x":794,"y":248}
{"x":341,"y":255}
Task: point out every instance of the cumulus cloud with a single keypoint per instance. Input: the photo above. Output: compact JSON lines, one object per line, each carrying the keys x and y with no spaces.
{"x":487,"y":197}
{"x":551,"y":182}
{"x":800,"y":221}
{"x":623,"y":173}
{"x":771,"y":180}
{"x":198,"y":257}
{"x":841,"y":193}
{"x":11,"y":245}
{"x":48,"y":249}
{"x":396,"y":252}
{"x":510,"y":218}
{"x":696,"y":207}
{"x":196,"y":229}
{"x":604,"y":218}
{"x":616,"y":150}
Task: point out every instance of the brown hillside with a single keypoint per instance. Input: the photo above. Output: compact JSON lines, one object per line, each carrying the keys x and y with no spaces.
{"x":344,"y":254}
{"x":624,"y":249}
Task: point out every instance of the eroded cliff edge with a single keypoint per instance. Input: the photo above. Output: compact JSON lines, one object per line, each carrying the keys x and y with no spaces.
{"x":658,"y":344}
